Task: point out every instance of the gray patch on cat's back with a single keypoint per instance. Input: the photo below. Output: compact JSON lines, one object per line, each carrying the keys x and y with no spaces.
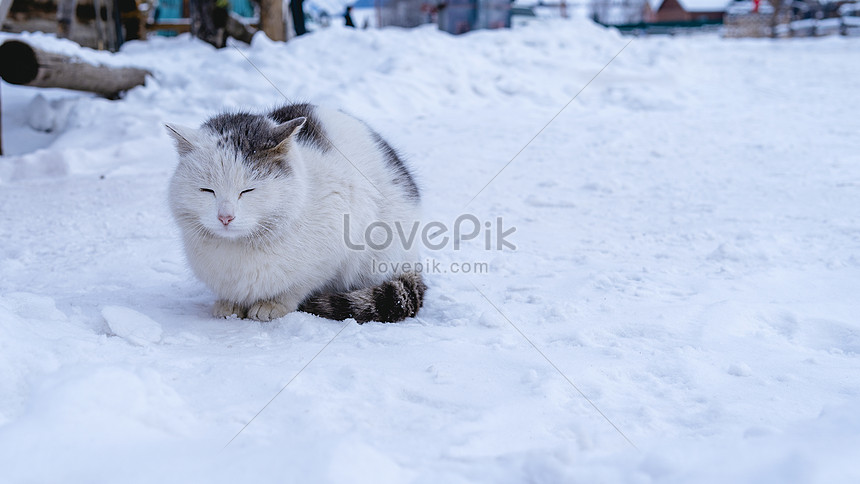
{"x":404,"y":177}
{"x":312,"y":132}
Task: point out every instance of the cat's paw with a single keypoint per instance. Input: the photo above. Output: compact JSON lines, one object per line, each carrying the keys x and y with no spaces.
{"x":225,"y":309}
{"x":267,"y":310}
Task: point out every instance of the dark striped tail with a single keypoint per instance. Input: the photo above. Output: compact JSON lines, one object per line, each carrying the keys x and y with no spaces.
{"x":389,"y":302}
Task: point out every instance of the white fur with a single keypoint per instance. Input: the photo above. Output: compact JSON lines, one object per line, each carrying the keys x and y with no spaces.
{"x":304,"y":252}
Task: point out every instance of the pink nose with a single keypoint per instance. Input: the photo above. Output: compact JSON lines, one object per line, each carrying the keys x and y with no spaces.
{"x":225,"y":219}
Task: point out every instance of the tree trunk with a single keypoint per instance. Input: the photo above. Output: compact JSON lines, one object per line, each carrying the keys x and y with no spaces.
{"x":272,"y":19}
{"x":66,"y":17}
{"x":25,"y":65}
{"x":774,"y":18}
{"x":1,"y":125}
{"x":208,"y":22}
{"x":4,"y":9}
{"x":298,"y":13}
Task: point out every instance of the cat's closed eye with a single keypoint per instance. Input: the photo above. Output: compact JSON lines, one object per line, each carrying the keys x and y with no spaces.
{"x":208,"y":190}
{"x":245,"y":191}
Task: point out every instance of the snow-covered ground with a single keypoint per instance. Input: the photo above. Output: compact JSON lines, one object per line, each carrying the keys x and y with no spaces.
{"x":688,"y":255}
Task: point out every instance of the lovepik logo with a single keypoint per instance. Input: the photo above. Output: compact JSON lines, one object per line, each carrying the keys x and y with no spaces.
{"x":434,"y":235}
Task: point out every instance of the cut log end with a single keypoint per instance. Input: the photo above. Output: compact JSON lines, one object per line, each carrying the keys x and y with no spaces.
{"x":23,"y":64}
{"x":18,"y":62}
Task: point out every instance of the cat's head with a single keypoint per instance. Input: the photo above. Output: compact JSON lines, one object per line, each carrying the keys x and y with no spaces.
{"x":238,"y":176}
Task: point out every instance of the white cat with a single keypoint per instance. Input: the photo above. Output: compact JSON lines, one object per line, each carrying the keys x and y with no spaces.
{"x":261,"y":201}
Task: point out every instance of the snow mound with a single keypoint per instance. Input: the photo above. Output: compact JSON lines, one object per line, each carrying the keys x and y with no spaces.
{"x":134,"y":327}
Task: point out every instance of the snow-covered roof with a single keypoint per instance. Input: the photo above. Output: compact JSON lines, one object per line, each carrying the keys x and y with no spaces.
{"x":695,"y":5}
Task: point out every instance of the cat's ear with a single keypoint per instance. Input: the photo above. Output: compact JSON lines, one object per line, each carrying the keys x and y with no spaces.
{"x":183,"y":137}
{"x":284,"y":131}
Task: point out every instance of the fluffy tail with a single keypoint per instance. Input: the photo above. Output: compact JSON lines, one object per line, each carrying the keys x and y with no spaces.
{"x":389,"y":302}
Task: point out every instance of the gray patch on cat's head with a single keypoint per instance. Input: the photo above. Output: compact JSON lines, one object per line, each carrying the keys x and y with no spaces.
{"x":261,"y":144}
{"x":246,"y":132}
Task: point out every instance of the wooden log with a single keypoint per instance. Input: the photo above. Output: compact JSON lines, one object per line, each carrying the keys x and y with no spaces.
{"x":25,"y":65}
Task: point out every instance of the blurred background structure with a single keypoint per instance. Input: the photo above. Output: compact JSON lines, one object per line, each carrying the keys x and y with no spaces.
{"x":107,"y":24}
{"x":739,"y":18}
